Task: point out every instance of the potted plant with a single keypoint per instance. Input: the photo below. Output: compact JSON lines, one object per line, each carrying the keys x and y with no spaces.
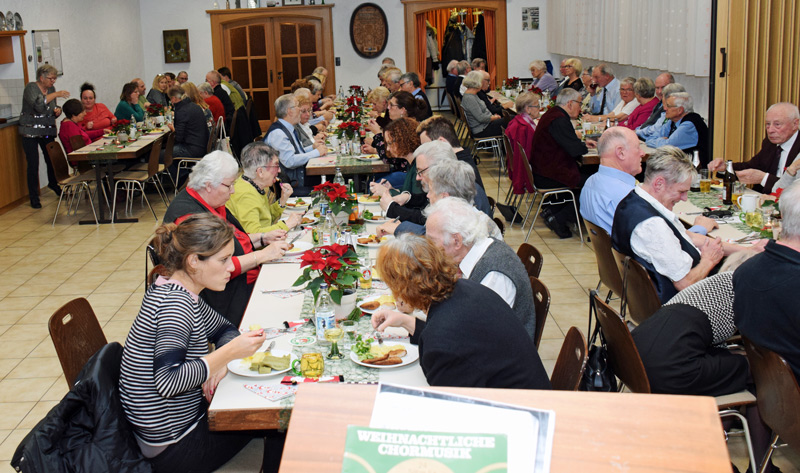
{"x":337,"y":266}
{"x":336,"y":196}
{"x":157,"y":111}
{"x":121,"y":128}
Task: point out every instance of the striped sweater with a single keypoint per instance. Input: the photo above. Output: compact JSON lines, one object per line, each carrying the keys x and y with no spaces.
{"x":162,"y":371}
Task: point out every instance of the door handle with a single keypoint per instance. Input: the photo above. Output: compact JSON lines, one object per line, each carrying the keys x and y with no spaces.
{"x":280,"y":75}
{"x":270,"y":76}
{"x":724,"y":53}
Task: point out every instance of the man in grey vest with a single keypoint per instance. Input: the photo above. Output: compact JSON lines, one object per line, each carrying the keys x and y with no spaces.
{"x":463,"y":232}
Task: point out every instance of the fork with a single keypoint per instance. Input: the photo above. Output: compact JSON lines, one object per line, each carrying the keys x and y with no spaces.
{"x":379,"y":338}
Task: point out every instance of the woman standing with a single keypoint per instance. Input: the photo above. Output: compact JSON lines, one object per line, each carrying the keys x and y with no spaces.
{"x":37,"y":125}
{"x":98,"y":116}
{"x":158,"y":93}
{"x":129,"y":103}
{"x":168,"y":375}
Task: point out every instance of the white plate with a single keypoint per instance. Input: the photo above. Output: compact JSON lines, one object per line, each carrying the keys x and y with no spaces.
{"x":298,"y":207}
{"x":370,"y":245}
{"x":369,"y":158}
{"x":362,"y":201}
{"x":412,"y":355}
{"x":242,"y":368}
{"x":300,"y":247}
{"x":310,"y":217}
{"x":378,"y":222}
{"x":370,"y":311}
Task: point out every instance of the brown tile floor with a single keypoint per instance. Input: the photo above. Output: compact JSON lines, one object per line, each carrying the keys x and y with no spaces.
{"x":42,"y":267}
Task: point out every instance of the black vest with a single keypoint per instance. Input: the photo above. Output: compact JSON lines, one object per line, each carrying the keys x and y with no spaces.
{"x":232,"y":301}
{"x":297,"y":176}
{"x":702,"y":138}
{"x":632,"y":211}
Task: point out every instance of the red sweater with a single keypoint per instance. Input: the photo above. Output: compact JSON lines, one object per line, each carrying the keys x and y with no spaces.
{"x":640,"y":114}
{"x":70,"y":128}
{"x":216,"y":107}
{"x":100,"y":116}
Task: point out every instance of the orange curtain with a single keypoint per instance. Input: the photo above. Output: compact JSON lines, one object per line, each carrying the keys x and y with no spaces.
{"x":438,"y":19}
{"x":491,"y":56}
{"x":422,"y":47}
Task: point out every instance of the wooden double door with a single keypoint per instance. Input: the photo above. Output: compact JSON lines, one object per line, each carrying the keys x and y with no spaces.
{"x":267,"y":51}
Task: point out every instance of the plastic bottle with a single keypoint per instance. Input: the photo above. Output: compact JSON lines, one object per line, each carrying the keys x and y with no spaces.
{"x":133,"y":127}
{"x":338,"y":178}
{"x":329,"y":229}
{"x":325,"y":314}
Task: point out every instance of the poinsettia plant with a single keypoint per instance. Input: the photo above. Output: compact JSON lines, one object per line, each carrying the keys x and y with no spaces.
{"x":121,"y":125}
{"x":336,"y":196}
{"x":511,"y":82}
{"x":156,"y":109}
{"x":336,"y":265}
{"x":348,"y":129}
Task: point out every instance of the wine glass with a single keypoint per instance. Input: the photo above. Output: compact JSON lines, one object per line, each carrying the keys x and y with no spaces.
{"x":349,"y":327}
{"x":333,"y":335}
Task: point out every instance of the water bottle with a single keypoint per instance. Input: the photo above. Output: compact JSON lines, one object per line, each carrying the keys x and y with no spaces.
{"x":133,"y":127}
{"x":608,"y":123}
{"x":338,"y":178}
{"x":325,"y":314}
{"x":329,"y":233}
{"x":341,"y":93}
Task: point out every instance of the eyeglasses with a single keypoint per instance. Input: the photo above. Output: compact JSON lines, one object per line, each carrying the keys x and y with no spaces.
{"x":229,"y":186}
{"x":402,"y":83}
{"x":422,"y":171}
{"x":52,"y":78}
{"x":566,"y":66}
{"x":393,"y":105}
{"x":626,"y":89}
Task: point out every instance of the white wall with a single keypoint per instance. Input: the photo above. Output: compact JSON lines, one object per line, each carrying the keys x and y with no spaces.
{"x":526,"y":46}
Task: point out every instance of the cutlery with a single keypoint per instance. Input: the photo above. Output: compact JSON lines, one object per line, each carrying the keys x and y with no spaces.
{"x":750,"y":237}
{"x":269,"y":291}
{"x":379,"y":338}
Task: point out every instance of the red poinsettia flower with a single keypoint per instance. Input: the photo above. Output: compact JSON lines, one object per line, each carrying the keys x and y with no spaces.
{"x":333,"y":262}
{"x":313,"y":258}
{"x":337,"y":249}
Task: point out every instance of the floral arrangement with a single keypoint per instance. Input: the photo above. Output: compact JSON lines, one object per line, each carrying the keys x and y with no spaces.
{"x":121,"y":125}
{"x":356,"y":90}
{"x":348,"y":128}
{"x":511,"y":82}
{"x":352,"y":100}
{"x":336,"y":195}
{"x":335,"y":265}
{"x":156,"y":109}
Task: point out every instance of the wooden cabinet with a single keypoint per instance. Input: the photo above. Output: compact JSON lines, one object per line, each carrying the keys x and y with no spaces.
{"x":269,"y":48}
{"x":13,"y":185}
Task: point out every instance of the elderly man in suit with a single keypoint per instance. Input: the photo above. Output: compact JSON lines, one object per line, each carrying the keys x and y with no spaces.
{"x":778,"y":150}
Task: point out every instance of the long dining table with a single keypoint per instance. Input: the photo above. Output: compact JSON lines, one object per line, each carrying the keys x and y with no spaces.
{"x":104,"y":153}
{"x":235,"y":407}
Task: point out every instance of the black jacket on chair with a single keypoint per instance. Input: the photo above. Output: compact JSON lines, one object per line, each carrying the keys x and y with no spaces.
{"x":87,"y":430}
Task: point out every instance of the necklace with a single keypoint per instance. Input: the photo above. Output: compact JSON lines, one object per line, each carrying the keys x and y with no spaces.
{"x":259,"y":189}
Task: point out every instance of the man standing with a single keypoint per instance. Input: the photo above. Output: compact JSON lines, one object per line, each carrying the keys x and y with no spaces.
{"x":778,"y":150}
{"x":684,"y":128}
{"x":662,"y":81}
{"x":410,"y":83}
{"x":214,"y":79}
{"x":555,"y":156}
{"x":283,"y":137}
{"x":620,"y":160}
{"x":765,"y":305}
{"x":607,"y":95}
{"x":463,"y":233}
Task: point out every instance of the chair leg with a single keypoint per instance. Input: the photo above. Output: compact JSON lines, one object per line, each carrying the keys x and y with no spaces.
{"x":91,"y":204}
{"x":114,"y":208}
{"x":535,"y":216}
{"x":746,"y":428}
{"x":58,"y":206}
{"x":577,"y":215}
{"x":141,"y":187}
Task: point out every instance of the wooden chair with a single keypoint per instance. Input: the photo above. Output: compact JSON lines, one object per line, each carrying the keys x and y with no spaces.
{"x":531,"y":258}
{"x":132,"y":179}
{"x":778,"y":396}
{"x":640,"y":293}
{"x":76,"y":335}
{"x":541,"y":303}
{"x":566,"y":192}
{"x":623,"y":356}
{"x":185,"y":163}
{"x":571,"y":362}
{"x":500,"y":224}
{"x":492,"y":203}
{"x":71,"y":186}
{"x":606,"y":263}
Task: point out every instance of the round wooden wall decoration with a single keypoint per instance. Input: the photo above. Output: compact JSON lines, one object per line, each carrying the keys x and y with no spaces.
{"x":369,"y":30}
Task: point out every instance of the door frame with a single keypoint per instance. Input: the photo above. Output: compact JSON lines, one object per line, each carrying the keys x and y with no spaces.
{"x":414,"y":7}
{"x":221,"y":18}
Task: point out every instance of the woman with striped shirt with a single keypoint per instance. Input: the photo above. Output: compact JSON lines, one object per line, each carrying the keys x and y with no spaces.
{"x":168,"y":374}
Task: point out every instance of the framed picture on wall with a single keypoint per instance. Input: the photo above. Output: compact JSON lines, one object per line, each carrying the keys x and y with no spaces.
{"x":176,"y":46}
{"x":287,"y":3}
{"x":369,"y":30}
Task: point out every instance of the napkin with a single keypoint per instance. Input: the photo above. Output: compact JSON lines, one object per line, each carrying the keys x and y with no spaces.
{"x":272,"y":393}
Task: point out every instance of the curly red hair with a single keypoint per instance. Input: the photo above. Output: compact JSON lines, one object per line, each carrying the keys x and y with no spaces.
{"x":404,"y":136}
{"x":416,"y":270}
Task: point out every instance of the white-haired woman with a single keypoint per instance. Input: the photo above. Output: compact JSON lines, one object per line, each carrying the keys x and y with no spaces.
{"x":209,"y":188}
{"x":250,"y":203}
{"x":541,"y":78}
{"x":479,"y":119}
{"x":627,"y":103}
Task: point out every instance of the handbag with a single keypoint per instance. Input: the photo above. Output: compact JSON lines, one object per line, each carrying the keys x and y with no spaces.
{"x":598,"y":375}
{"x":223,"y":142}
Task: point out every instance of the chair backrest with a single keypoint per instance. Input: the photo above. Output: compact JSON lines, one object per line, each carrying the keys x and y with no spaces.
{"x":152,"y":160}
{"x":212,"y":136}
{"x":500,"y":225}
{"x":76,"y":335}
{"x":606,"y":263}
{"x":541,"y":303}
{"x":623,"y":357}
{"x":76,"y":142}
{"x":777,"y":392}
{"x":509,"y":153}
{"x":640,"y":293}
{"x":531,"y":258}
{"x":527,"y":165}
{"x":571,"y":362}
{"x":168,"y":150}
{"x":60,"y":165}
{"x":492,"y":203}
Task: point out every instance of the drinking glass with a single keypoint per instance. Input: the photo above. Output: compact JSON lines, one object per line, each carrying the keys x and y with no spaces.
{"x":738,"y":189}
{"x":333,"y":335}
{"x":312,"y":365}
{"x":705,"y":181}
{"x":349,"y":327}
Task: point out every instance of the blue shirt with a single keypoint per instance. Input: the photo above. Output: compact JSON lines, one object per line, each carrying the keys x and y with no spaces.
{"x":612,"y":98}
{"x":288,"y":157}
{"x":684,"y":136}
{"x":649,"y":131}
{"x":602,"y":193}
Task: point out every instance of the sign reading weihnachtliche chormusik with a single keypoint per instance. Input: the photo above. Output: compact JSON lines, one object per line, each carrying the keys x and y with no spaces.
{"x":369,"y":30}
{"x":400,"y":451}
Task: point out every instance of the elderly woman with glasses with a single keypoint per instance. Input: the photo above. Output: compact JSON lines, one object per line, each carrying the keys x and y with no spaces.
{"x":209,"y":188}
{"x":466,"y":322}
{"x":250,"y":203}
{"x":626,"y":105}
{"x":520,"y":130}
{"x":571,"y":70}
{"x":37,"y":125}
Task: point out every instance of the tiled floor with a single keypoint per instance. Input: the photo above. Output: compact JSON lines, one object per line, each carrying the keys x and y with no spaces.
{"x":42,"y":267}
